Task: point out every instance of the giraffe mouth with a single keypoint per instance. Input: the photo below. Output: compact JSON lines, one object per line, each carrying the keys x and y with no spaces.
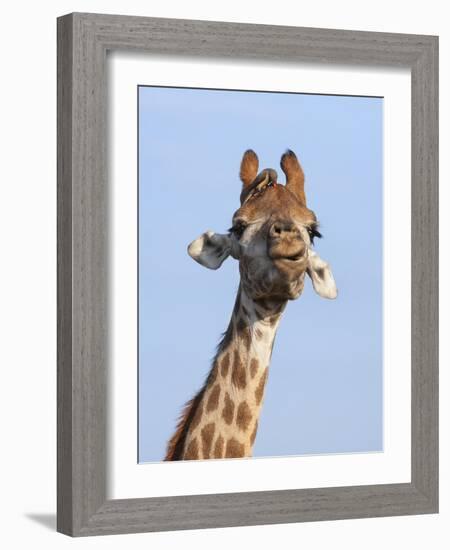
{"x":291,"y":265}
{"x":288,"y":251}
{"x":293,"y":258}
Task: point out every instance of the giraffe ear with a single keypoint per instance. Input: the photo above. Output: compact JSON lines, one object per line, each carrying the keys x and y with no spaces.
{"x":321,"y":276}
{"x":210,"y":249}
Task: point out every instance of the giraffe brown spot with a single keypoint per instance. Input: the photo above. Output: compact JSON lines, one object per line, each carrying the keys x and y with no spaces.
{"x":253,"y":436}
{"x":234,"y":449}
{"x":228,"y":410}
{"x":253,"y":367}
{"x":192,"y":450}
{"x":197,"y":416}
{"x":207,"y":438}
{"x":238,"y":376}
{"x":259,"y":392}
{"x":212,"y":375}
{"x":225,"y":364}
{"x":213,"y":399}
{"x":218,"y":447}
{"x":243,"y":415}
{"x":244,"y":332}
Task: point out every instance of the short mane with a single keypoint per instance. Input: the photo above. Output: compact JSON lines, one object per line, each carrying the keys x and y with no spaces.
{"x":176,"y":443}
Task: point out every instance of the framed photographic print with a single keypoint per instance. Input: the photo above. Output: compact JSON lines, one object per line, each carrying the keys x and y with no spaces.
{"x":247,"y":274}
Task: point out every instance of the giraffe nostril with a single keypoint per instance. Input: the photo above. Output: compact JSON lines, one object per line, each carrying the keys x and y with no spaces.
{"x":276,"y":229}
{"x":280,"y":228}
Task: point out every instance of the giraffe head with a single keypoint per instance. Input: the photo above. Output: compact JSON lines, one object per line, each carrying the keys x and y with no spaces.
{"x":271,"y":236}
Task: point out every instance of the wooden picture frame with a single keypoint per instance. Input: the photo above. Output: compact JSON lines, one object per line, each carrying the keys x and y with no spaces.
{"x":83,"y":40}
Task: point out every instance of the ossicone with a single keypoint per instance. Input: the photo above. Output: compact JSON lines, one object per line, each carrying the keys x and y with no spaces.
{"x":295,"y":178}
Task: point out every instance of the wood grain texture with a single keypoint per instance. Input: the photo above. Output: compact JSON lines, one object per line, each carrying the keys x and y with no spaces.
{"x":83,"y":318}
{"x":425,"y":272}
{"x":64,"y":267}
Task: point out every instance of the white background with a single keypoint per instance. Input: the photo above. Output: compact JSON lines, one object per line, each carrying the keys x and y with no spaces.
{"x":131,"y":480}
{"x":28,"y":273}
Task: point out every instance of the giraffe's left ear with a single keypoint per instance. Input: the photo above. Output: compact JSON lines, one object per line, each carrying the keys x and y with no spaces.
{"x":321,"y":276}
{"x":210,"y":249}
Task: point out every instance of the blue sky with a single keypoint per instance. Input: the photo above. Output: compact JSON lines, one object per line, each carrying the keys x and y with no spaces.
{"x":324,"y":392}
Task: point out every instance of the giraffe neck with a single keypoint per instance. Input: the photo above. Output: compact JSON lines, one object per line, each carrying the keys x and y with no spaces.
{"x":222,"y":419}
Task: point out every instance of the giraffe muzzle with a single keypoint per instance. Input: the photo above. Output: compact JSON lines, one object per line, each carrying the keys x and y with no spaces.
{"x":286,"y":245}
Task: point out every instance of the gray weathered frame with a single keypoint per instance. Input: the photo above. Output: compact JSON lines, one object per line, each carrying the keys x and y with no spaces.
{"x":83,"y":40}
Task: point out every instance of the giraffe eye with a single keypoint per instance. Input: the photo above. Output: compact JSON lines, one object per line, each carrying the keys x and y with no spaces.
{"x":238,"y":229}
{"x":313,"y":232}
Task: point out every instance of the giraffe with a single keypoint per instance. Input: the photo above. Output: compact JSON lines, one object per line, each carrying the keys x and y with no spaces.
{"x":272,"y":236}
